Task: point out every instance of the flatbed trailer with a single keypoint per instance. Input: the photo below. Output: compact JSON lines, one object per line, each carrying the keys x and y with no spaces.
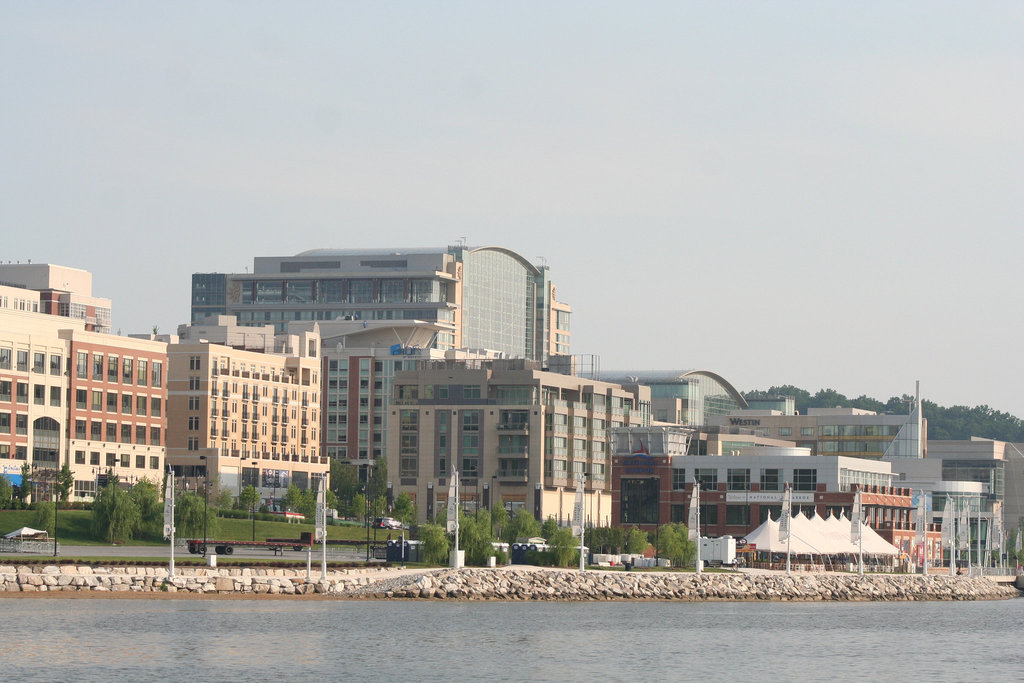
{"x":198,"y":546}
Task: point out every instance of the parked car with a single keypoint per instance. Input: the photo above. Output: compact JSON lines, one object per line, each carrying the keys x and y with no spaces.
{"x":387,"y":523}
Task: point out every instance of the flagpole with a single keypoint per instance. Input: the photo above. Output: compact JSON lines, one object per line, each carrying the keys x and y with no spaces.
{"x":699,"y":565}
{"x":949,"y":534}
{"x":169,"y":516}
{"x":457,"y":506}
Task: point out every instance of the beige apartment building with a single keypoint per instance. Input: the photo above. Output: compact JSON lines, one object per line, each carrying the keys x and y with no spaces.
{"x":519,"y":436}
{"x":246,"y":405}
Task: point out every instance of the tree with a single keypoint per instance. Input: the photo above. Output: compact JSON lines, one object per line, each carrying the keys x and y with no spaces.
{"x":345,"y":484}
{"x":435,"y":544}
{"x":404,"y":510}
{"x":188,"y":517}
{"x":25,"y":490}
{"x":151,"y":511}
{"x":523,"y":525}
{"x":6,"y":491}
{"x":565,"y":547}
{"x":475,"y":537}
{"x":675,"y":544}
{"x":115,"y":516}
{"x":499,"y":518}
{"x":44,"y":518}
{"x":549,"y":527}
{"x":292,"y":498}
{"x":636,"y":541}
{"x":377,"y":487}
{"x":359,"y":510}
{"x":65,"y":483}
{"x":248,"y":498}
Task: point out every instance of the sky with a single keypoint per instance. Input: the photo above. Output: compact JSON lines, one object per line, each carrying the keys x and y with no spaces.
{"x":824,"y":194}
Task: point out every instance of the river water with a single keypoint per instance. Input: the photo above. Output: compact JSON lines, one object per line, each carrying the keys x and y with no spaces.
{"x":286,"y":640}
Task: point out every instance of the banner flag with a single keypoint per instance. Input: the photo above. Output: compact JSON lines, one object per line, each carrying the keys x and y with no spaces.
{"x":693,"y":519}
{"x":453,"y":503}
{"x":785,"y":520}
{"x":321,"y":512}
{"x":169,"y":506}
{"x":577,"y":508}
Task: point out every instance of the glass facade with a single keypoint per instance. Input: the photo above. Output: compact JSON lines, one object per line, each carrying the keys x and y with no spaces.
{"x":497,"y":297}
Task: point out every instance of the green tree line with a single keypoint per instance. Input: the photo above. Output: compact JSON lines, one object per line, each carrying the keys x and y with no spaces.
{"x":955,"y":422}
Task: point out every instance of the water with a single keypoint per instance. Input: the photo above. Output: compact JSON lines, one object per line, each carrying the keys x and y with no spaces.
{"x":158,"y":640}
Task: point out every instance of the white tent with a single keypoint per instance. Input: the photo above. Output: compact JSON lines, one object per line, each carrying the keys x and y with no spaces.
{"x":25,"y":532}
{"x":817,"y":536}
{"x":873,"y":543}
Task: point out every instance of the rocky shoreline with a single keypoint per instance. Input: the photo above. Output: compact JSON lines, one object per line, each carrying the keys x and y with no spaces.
{"x":505,"y":583}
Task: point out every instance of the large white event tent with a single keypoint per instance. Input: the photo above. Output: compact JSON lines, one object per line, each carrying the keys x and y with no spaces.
{"x":817,"y":536}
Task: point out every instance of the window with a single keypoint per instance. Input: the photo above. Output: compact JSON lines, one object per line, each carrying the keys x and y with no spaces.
{"x":126,"y":404}
{"x":111,"y":402}
{"x":156,"y":405}
{"x":154,"y":436}
{"x":141,"y":373}
{"x":805,"y":480}
{"x":193,"y":423}
{"x":97,"y":368}
{"x":97,"y":400}
{"x":127,"y":371}
{"x":193,"y":383}
{"x":111,"y":432}
{"x":125,"y":460}
{"x":140,"y":405}
{"x":96,"y":430}
{"x":708,"y":478}
{"x":140,"y":462}
{"x":39,"y":394}
{"x":5,"y":423}
{"x":737,"y":515}
{"x":55,"y":396}
{"x":55,"y":364}
{"x":471,"y":391}
{"x":708,"y":515}
{"x":81,"y":398}
{"x":738,"y":480}
{"x":126,"y":433}
{"x":22,"y":392}
{"x":154,"y":462}
{"x":82,"y":371}
{"x":79,"y":429}
{"x":5,"y":391}
{"x":112,"y":368}
{"x":771,"y":480}
{"x":193,"y":443}
{"x":5,"y":359}
{"x":195,"y":362}
{"x":807,"y":431}
{"x":21,"y":425}
{"x":785,"y":431}
{"x":79,"y":457}
{"x":22,"y":361}
{"x":158,"y":374}
{"x":94,"y":458}
{"x":39,"y":363}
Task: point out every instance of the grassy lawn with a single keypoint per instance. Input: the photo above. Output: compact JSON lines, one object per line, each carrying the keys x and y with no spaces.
{"x":74,"y":527}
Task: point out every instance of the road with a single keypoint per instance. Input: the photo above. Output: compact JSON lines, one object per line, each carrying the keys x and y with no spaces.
{"x":153,"y":552}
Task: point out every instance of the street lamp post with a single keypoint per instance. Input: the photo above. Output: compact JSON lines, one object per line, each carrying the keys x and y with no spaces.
{"x":206,"y":489}
{"x":256,"y":464}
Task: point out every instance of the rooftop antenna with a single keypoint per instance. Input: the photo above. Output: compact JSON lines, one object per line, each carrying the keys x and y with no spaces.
{"x":543,"y":261}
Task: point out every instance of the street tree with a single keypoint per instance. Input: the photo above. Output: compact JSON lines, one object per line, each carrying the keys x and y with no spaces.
{"x":115,"y":516}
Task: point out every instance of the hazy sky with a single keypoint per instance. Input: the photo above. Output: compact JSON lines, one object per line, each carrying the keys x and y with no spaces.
{"x":827,"y":194}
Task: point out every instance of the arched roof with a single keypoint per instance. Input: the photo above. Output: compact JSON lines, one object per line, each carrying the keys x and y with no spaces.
{"x":736,"y":396}
{"x":673,"y":376}
{"x":508,"y":252}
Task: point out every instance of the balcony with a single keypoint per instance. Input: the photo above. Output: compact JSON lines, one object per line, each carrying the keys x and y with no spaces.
{"x":523,"y":427}
{"x":513,"y":476}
